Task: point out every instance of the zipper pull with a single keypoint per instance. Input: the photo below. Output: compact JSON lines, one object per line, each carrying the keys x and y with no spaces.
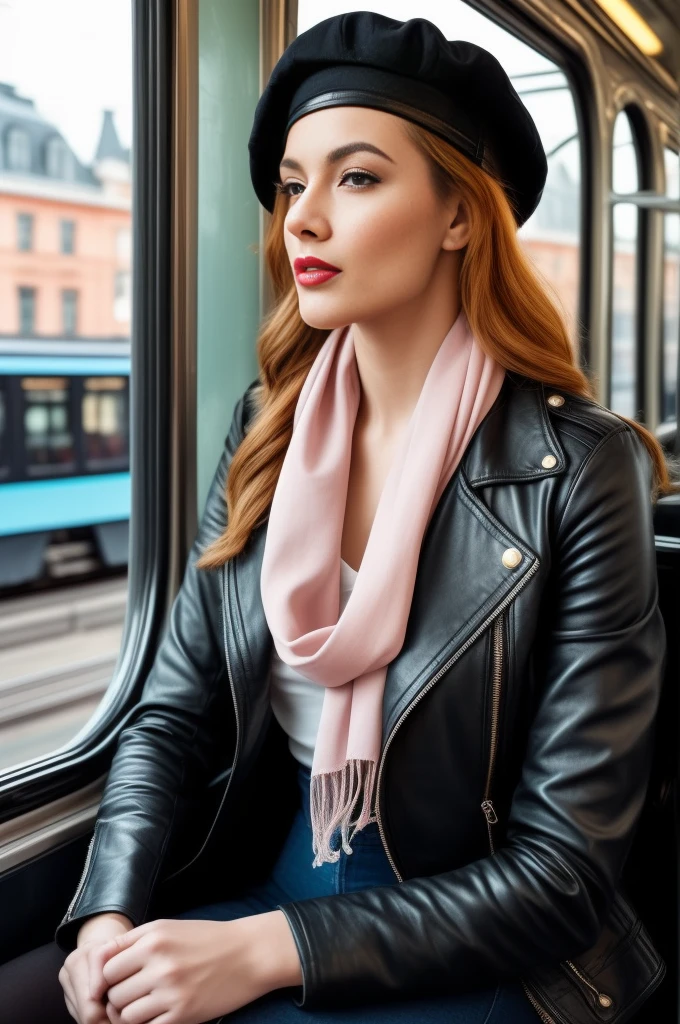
{"x":489,"y":812}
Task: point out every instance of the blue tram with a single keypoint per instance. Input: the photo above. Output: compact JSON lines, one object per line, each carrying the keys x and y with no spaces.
{"x":64,"y":455}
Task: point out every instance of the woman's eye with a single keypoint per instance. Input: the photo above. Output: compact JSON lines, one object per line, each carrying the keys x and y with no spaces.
{"x":368,"y":178}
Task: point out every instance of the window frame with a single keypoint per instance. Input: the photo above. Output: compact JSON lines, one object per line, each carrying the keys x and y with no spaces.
{"x":86,"y":760}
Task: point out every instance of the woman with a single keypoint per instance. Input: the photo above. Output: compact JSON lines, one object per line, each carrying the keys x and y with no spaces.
{"x":427,"y":563}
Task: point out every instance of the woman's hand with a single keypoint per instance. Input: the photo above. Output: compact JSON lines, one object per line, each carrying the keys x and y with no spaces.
{"x":81,"y":975}
{"x":187,"y":972}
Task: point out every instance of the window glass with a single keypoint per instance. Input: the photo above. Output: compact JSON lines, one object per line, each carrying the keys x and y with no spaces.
{"x":47,"y":423}
{"x":68,"y":229}
{"x":24,"y":232}
{"x":671,"y":161}
{"x":551,"y":236}
{"x":105,"y":422}
{"x":65,"y":161}
{"x":624,"y":294}
{"x":671,"y":314}
{"x":26,"y":310}
{"x":18,"y":150}
{"x":69,"y":300}
{"x":625,"y":167}
{"x":4,"y":428}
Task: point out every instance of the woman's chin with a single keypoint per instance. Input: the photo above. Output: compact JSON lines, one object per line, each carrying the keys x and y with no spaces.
{"x":324,"y":319}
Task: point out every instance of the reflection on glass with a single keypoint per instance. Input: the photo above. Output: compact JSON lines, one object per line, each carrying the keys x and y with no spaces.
{"x":551,"y":236}
{"x":625,"y":170}
{"x":48,"y":437}
{"x":671,"y":313}
{"x":671,"y":161}
{"x":624,"y":309}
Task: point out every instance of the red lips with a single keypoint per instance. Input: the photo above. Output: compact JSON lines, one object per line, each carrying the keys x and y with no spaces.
{"x":311,"y":270}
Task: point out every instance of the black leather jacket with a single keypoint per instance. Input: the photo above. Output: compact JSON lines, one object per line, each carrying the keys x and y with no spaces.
{"x":518,"y":718}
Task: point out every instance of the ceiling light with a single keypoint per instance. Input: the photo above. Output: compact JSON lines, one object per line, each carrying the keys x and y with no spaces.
{"x":635,"y":27}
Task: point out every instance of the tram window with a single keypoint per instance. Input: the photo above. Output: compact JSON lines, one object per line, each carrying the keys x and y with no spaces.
{"x":105,"y":422}
{"x":671,"y":161}
{"x":671,"y":314}
{"x":4,"y":431}
{"x":624,"y":293}
{"x":671,"y":290}
{"x":551,"y":236}
{"x":48,"y":434}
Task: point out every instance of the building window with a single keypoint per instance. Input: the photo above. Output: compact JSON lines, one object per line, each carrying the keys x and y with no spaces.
{"x":68,"y":232}
{"x":25,"y":231}
{"x":121,"y":297}
{"x":18,"y":150}
{"x":27,"y":310}
{"x":69,"y":307}
{"x":59,"y":160}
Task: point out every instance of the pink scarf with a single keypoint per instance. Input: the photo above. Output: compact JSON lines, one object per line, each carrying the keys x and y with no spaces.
{"x":300,"y":579}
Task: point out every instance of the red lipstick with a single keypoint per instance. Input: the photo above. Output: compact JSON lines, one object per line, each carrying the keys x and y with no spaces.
{"x":312,"y":270}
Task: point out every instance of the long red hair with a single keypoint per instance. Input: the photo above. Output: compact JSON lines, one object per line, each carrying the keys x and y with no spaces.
{"x":508,"y":306}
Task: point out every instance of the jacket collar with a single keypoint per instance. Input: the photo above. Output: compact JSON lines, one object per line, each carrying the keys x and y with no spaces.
{"x":514,"y":437}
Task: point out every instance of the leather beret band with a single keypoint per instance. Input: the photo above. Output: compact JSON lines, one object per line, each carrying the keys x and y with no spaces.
{"x":361,"y":98}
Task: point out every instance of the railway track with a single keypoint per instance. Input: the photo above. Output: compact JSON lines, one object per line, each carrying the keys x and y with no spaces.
{"x":58,"y":651}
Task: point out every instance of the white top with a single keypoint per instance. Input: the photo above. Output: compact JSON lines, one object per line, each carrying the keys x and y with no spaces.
{"x":296,"y":701}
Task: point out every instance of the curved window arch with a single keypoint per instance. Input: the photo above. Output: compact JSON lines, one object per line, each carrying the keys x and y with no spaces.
{"x":17,"y":149}
{"x":630,"y":175}
{"x":59,"y":161}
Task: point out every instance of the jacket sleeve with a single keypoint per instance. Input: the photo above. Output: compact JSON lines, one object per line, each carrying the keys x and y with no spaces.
{"x":544,"y":895}
{"x":139,"y":805}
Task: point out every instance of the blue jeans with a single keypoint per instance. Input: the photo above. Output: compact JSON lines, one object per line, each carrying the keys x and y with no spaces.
{"x":293,"y":878}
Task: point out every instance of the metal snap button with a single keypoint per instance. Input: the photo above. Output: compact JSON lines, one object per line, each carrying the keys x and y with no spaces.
{"x":556,"y":401}
{"x":548,"y":461}
{"x":511,"y":558}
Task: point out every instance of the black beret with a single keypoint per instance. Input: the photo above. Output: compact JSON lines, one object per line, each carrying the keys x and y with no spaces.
{"x":456,"y":89}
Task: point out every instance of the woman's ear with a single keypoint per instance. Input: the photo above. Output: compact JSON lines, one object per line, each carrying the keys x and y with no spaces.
{"x":458,"y":232}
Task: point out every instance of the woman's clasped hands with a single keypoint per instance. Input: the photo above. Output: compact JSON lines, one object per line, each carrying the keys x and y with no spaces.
{"x":182,"y":971}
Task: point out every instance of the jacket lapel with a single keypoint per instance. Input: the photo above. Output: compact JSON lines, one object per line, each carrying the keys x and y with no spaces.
{"x":461,"y":579}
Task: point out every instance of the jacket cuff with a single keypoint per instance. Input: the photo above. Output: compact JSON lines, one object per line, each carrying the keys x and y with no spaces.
{"x":66,"y":935}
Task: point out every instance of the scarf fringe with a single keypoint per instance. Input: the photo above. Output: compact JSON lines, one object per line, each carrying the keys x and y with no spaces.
{"x":333,"y":800}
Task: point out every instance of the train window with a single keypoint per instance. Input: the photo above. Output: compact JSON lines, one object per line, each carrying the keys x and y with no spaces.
{"x":671,"y":290}
{"x":66,"y":87}
{"x":551,"y":237}
{"x":4,"y":430}
{"x":48,"y":435}
{"x":624,"y":294}
{"x":105,"y":422}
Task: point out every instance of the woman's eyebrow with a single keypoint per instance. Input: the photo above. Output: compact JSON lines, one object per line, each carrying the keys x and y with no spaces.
{"x":339,"y":154}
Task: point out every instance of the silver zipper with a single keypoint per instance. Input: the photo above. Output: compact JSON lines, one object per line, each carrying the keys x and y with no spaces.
{"x":487,"y":803}
{"x":238,"y":730}
{"x":454,"y":657}
{"x":604,"y":1000}
{"x":86,"y":866}
{"x":543,"y":1014}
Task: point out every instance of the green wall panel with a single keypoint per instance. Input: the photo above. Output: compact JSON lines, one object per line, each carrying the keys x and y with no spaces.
{"x":228,"y":222}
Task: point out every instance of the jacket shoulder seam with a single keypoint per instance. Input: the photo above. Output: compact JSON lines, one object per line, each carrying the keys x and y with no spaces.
{"x":623,"y":429}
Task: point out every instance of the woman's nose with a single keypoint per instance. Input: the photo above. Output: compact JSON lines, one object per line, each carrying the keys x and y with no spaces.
{"x":308,"y":215}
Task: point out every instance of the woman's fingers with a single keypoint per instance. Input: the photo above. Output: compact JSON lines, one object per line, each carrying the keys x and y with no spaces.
{"x":141,"y":1010}
{"x":97,"y":956}
{"x":137,"y":986}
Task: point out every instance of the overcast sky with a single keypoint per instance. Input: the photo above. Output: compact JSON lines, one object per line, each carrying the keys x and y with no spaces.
{"x":74,"y":58}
